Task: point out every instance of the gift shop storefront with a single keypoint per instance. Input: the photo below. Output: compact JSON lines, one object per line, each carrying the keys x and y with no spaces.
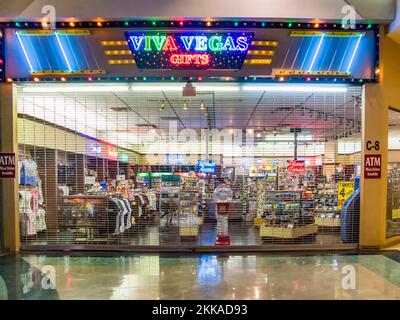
{"x":186,"y":134}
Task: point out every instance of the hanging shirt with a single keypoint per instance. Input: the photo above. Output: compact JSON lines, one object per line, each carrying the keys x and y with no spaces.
{"x":118,"y":217}
{"x":41,"y":220}
{"x":35,"y":200}
{"x":29,"y":215}
{"x":28,"y":173}
{"x":128,"y":216}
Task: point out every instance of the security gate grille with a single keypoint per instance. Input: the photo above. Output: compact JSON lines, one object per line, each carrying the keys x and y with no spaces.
{"x":146,"y":167}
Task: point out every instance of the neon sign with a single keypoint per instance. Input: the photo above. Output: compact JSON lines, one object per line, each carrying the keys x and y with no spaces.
{"x":188,"y":50}
{"x":296,"y":166}
{"x":204,"y":166}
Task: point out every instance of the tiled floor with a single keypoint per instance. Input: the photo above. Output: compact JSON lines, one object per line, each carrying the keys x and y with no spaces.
{"x":204,"y":276}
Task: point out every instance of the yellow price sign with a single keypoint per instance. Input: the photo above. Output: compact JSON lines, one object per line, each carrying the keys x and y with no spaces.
{"x":396,"y":214}
{"x":345,"y":189}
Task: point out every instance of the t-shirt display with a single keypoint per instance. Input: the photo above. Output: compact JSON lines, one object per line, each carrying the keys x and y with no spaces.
{"x":32,"y":213}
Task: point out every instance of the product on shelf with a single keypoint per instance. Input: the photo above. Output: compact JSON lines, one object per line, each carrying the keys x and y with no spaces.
{"x":288,"y":212}
{"x":190,"y":201}
{"x":327,"y":213}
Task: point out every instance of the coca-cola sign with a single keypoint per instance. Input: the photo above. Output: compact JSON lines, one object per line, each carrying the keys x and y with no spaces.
{"x":296,"y":166}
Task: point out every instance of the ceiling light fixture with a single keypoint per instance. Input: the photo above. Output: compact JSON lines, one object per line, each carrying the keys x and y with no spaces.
{"x":217,"y":88}
{"x":162,"y":106}
{"x":295,"y":88}
{"x":142,"y":88}
{"x":81,"y":88}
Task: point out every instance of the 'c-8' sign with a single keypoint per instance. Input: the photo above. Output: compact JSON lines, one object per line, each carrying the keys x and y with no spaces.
{"x":373,"y":145}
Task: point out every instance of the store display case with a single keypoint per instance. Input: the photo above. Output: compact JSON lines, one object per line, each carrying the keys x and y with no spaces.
{"x":327,"y":213}
{"x":190,"y":199}
{"x":287,"y":215}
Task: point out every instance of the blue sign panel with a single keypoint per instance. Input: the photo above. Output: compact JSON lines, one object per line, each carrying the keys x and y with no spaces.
{"x":206,"y":166}
{"x":188,"y":50}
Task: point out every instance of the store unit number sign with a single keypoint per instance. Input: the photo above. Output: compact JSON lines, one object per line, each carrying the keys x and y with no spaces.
{"x":345,"y":189}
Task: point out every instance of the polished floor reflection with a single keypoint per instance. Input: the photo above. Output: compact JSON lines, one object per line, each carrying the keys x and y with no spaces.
{"x":203,"y":276}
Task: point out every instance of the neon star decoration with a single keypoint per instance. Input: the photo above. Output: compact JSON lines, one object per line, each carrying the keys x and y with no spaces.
{"x":188,"y":50}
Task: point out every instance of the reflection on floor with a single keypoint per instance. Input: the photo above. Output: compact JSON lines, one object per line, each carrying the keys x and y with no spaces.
{"x":204,"y":276}
{"x":151,"y":233}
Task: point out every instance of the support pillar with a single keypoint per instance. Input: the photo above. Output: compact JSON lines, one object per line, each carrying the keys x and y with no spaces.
{"x":9,"y":187}
{"x":373,"y":191}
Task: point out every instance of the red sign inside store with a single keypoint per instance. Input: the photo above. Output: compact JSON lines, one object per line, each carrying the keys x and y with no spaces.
{"x":7,"y":165}
{"x":372,"y":166}
{"x":296,"y":166}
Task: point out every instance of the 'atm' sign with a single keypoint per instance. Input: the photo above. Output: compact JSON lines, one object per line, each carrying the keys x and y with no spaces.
{"x":372,"y":166}
{"x":7,"y":165}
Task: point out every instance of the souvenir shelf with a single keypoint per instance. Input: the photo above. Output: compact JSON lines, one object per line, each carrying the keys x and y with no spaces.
{"x":327,"y":213}
{"x":189,"y":219}
{"x":262,"y":187}
{"x":287,"y":214}
{"x":75,"y":216}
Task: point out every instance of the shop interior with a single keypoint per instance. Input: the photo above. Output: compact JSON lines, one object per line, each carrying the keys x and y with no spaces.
{"x":151,"y":164}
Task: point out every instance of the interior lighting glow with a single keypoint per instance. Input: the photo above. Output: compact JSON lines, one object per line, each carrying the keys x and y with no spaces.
{"x":25,"y":53}
{"x":354,"y":52}
{"x":63,"y":88}
{"x":295,"y":88}
{"x":316,"y":52}
{"x":63,"y":51}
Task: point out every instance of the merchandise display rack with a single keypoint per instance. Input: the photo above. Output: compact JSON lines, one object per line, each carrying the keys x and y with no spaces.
{"x":286,"y":214}
{"x":327,"y":214}
{"x":190,"y":199}
{"x":84,"y":228}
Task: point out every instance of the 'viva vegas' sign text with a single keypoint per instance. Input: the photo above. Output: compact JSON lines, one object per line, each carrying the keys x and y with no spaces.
{"x":189,"y":50}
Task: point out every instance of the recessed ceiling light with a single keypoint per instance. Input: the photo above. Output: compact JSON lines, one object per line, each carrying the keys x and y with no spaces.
{"x":162,"y":106}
